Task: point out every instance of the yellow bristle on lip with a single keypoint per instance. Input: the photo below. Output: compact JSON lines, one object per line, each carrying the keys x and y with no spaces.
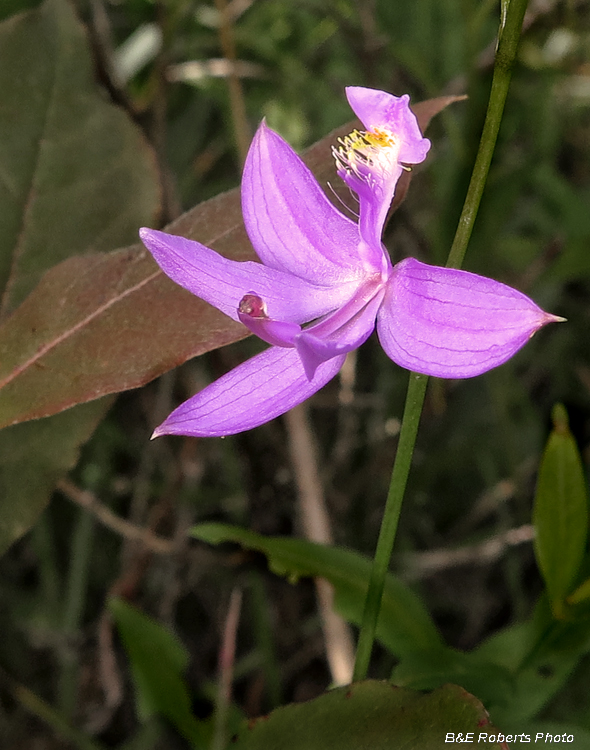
{"x":367,"y":147}
{"x":361,"y":140}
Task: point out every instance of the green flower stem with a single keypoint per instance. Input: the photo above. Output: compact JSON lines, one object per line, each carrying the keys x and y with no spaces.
{"x":512,"y":16}
{"x":505,"y":56}
{"x":393,"y":506}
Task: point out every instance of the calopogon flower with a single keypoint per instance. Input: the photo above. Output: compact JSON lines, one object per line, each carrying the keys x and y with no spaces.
{"x":325,"y":281}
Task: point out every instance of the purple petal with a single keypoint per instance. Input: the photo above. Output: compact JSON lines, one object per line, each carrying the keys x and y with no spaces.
{"x":371,"y":162}
{"x":251,"y":394}
{"x":291,"y":223}
{"x":378,"y":110}
{"x":223,"y":282}
{"x":318,"y":343}
{"x":453,"y":324}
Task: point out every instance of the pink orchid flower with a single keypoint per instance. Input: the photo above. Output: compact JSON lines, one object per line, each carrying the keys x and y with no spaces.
{"x":325,"y":281}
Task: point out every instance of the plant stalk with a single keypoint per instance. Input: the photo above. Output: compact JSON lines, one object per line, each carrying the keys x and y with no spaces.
{"x":511,"y":24}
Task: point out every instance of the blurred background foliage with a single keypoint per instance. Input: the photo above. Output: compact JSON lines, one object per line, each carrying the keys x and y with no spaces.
{"x":168,"y":65}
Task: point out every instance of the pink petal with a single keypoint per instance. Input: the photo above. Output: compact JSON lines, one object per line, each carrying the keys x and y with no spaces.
{"x":251,"y":394}
{"x":453,"y":324}
{"x":378,"y":110}
{"x":290,"y":221}
{"x":319,"y":342}
{"x":223,"y":282}
{"x":371,"y":163}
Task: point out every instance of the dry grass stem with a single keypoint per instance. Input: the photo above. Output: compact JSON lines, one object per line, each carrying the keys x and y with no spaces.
{"x":111,"y":520}
{"x":227,"y":655}
{"x":316,"y":527}
{"x":423,"y":564}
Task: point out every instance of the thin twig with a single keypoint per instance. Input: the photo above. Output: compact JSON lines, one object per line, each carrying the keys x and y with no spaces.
{"x":111,"y":520}
{"x":424,"y":564}
{"x":316,"y":527}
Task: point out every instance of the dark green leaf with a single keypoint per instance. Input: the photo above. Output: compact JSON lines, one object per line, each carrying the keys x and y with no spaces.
{"x":76,"y":173}
{"x":10,"y":7}
{"x":373,"y":715}
{"x":32,"y":458}
{"x":158,"y":660}
{"x":426,"y":670}
{"x":404,"y":625}
{"x":560,"y":514}
{"x":540,"y":654}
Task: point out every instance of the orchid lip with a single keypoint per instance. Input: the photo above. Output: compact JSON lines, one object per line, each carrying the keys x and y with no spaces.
{"x":331,"y":324}
{"x":366,"y":155}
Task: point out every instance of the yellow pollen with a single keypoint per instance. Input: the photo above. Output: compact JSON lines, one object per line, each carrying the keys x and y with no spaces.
{"x":365,"y":146}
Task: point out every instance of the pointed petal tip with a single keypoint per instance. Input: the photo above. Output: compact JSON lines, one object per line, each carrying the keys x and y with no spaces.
{"x":454,"y":324}
{"x":144,"y":233}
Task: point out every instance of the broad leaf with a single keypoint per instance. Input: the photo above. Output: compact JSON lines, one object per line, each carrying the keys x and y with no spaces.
{"x":373,"y":715}
{"x":123,"y":308}
{"x":426,"y":670}
{"x":540,"y":654}
{"x":104,"y":338}
{"x":404,"y":625}
{"x":32,"y":458}
{"x":75,"y":172}
{"x":560,"y":513}
{"x":158,"y":660}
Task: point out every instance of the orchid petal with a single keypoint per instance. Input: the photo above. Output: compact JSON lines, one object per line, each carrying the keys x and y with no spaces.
{"x":373,"y":178}
{"x":371,"y":162}
{"x":223,"y":282}
{"x":251,"y":394}
{"x":378,"y":110}
{"x":453,"y":324}
{"x":290,"y":221}
{"x":315,"y":345}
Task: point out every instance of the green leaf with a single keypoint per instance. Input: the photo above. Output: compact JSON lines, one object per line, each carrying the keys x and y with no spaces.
{"x":32,"y":458}
{"x":426,"y":670}
{"x":560,"y":513}
{"x":158,"y":660}
{"x":540,"y":654}
{"x":75,"y":172}
{"x":404,"y":625}
{"x":582,"y":593}
{"x":373,"y":715}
